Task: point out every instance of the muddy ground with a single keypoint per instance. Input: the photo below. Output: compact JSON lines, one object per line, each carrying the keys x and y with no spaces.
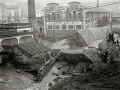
{"x":10,"y":79}
{"x":16,"y":79}
{"x":101,"y":77}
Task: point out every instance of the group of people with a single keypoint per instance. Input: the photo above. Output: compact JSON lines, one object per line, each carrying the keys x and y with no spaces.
{"x":113,"y":37}
{"x":112,"y":51}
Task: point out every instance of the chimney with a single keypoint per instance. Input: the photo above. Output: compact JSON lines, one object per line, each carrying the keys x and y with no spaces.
{"x":32,"y":18}
{"x":31,"y":14}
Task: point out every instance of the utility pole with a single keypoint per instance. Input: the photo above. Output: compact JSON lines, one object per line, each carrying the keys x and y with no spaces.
{"x":97,"y":3}
{"x":45,"y":18}
{"x":54,"y":28}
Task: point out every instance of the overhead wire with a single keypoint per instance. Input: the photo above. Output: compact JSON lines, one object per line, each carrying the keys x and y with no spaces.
{"x":104,"y":4}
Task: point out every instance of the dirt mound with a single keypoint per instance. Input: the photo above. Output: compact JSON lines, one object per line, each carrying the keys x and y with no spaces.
{"x":76,"y":40}
{"x":100,"y":77}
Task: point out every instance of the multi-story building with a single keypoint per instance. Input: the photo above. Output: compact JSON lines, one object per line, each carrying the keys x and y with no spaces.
{"x":9,"y":13}
{"x":62,"y":19}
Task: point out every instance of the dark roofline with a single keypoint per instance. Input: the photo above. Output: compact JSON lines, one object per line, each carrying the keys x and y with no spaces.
{"x":52,"y":3}
{"x":23,"y":50}
{"x":74,"y":2}
{"x":27,"y":51}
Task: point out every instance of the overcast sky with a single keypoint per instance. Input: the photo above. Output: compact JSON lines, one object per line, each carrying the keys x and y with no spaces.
{"x":64,"y":2}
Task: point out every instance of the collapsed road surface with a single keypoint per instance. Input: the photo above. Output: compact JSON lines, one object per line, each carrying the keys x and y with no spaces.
{"x":10,"y":79}
{"x":53,"y":77}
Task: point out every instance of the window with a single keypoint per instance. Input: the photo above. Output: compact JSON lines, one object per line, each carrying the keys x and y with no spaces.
{"x":50,"y":27}
{"x":86,"y":21}
{"x":74,"y":14}
{"x":11,"y":29}
{"x":57,"y":27}
{"x":48,"y":16}
{"x":69,"y":16}
{"x":53,"y":15}
{"x":70,"y":27}
{"x":79,"y":15}
{"x":64,"y":27}
{"x":78,"y":27}
{"x":92,"y":20}
{"x":57,"y":17}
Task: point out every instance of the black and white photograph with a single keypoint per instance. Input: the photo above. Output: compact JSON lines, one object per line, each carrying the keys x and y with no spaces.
{"x":59,"y":44}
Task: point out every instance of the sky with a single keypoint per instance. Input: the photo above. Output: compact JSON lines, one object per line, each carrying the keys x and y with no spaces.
{"x":64,"y":2}
{"x":42,"y":3}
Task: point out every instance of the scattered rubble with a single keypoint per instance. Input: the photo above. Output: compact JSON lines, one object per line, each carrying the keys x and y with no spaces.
{"x":100,"y":77}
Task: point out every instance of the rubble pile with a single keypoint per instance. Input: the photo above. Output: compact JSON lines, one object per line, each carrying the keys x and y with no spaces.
{"x":100,"y":77}
{"x":81,"y":67}
{"x":93,"y":54}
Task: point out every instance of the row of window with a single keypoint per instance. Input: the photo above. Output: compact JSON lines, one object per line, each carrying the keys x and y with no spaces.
{"x":64,"y":27}
{"x":53,"y":17}
{"x":68,"y":16}
{"x":91,"y":20}
{"x":96,"y":15}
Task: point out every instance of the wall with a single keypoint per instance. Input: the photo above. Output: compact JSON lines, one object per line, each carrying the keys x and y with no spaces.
{"x":9,"y":42}
{"x":60,"y":32}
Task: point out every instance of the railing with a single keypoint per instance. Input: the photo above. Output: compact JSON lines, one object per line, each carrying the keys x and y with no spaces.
{"x":3,"y":33}
{"x":16,"y":25}
{"x":11,"y":29}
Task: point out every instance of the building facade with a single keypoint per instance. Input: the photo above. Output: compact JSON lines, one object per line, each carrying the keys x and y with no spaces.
{"x":70,"y":18}
{"x":40,"y":25}
{"x":9,"y":13}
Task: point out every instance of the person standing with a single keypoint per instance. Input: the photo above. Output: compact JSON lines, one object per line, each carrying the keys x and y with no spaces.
{"x":115,"y":38}
{"x":107,"y":35}
{"x":118,"y":39}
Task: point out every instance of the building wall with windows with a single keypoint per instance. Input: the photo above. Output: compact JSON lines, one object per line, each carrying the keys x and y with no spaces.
{"x":40,"y":25}
{"x":72,"y":17}
{"x":93,"y":15}
{"x":63,"y":17}
{"x":9,"y":13}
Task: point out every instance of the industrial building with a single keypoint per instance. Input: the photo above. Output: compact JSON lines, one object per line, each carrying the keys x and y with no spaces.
{"x":67,"y":19}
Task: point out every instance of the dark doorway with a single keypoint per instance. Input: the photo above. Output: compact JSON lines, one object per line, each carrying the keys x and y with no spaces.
{"x":41,"y":30}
